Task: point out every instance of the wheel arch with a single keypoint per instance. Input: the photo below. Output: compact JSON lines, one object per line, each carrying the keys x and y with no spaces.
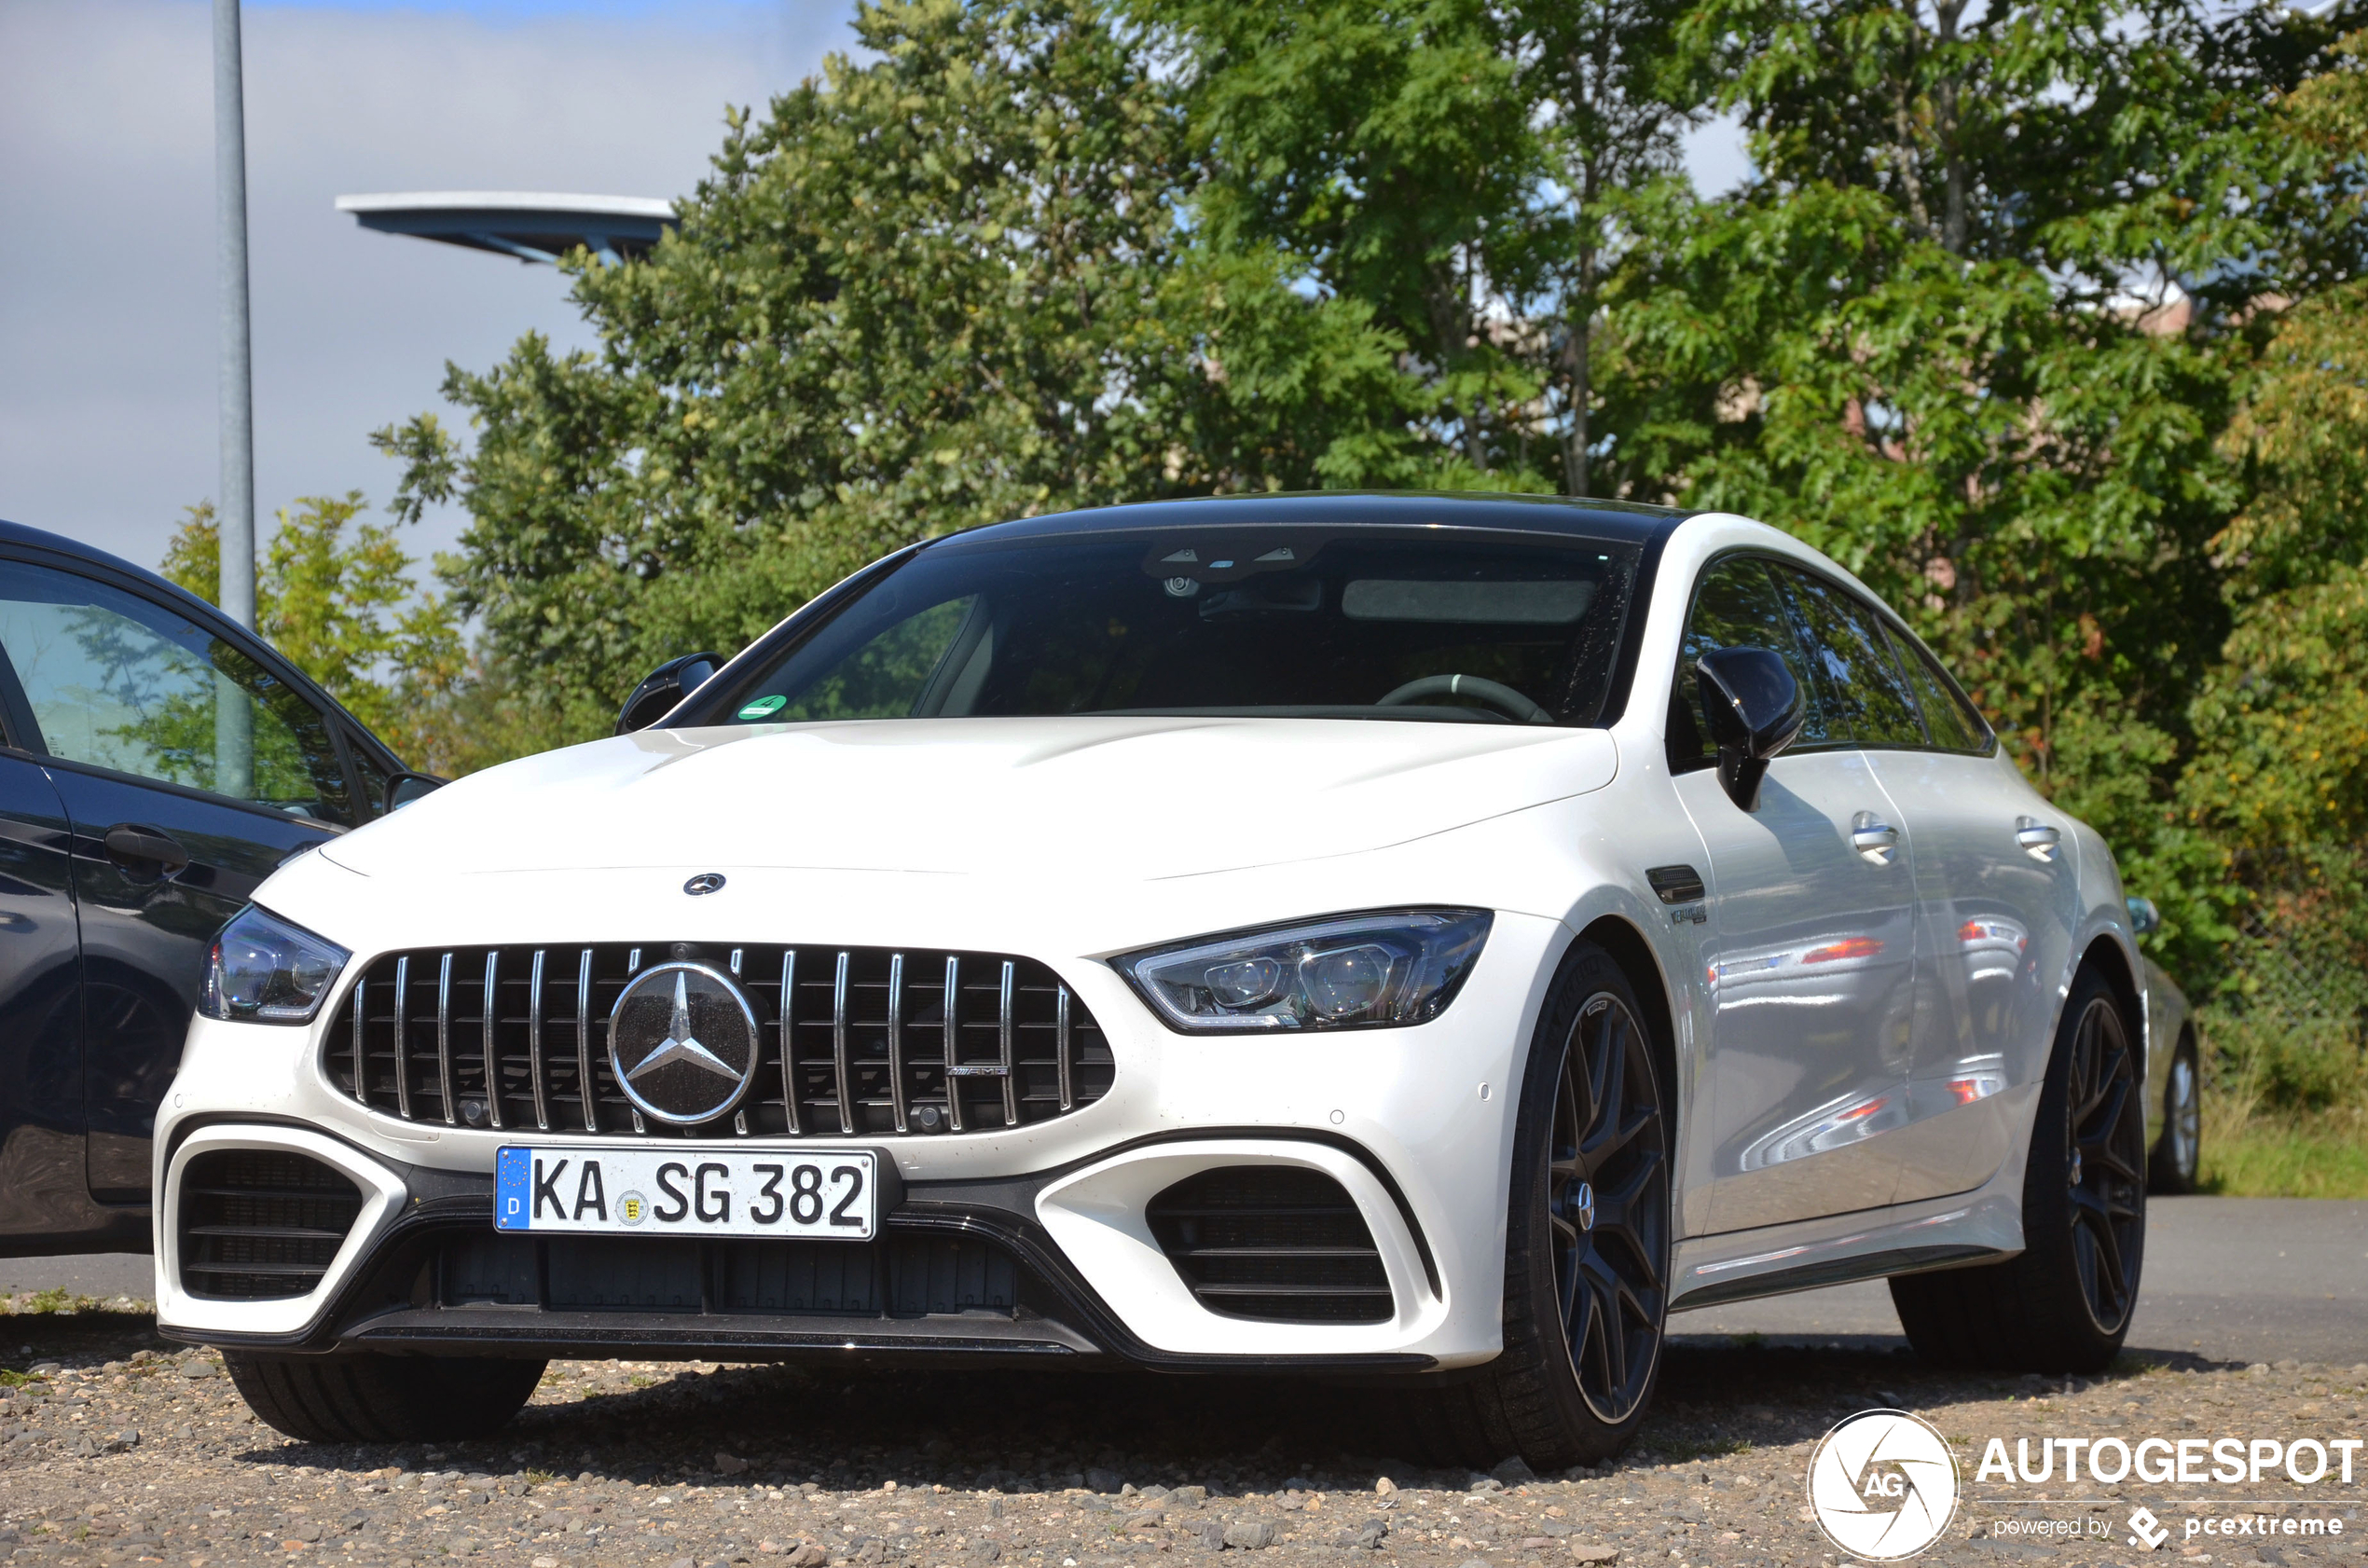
{"x":2106,"y":955}
{"x":1634,"y":954}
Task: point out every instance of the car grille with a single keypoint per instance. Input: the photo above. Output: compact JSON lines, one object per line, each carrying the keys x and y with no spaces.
{"x":1280,"y":1242}
{"x":894,"y":1276}
{"x":257,"y":1224}
{"x":867,"y":1048}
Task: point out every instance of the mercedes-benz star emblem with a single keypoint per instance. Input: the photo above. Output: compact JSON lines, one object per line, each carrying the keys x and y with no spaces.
{"x":705,"y":882}
{"x":683,"y":1042}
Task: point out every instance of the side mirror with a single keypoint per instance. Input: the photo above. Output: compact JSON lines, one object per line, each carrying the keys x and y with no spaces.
{"x":404,"y":788}
{"x":1753,"y":706}
{"x":665,"y":686}
{"x":2144,"y":918}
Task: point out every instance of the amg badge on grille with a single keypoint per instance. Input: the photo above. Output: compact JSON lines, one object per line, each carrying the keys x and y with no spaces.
{"x":683,"y":1042}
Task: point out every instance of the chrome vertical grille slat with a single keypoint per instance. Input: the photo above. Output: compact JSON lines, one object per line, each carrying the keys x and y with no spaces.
{"x":534,"y":1043}
{"x":866,"y":1042}
{"x":1003,"y":1027}
{"x":952,"y":1010}
{"x":1061,"y":1049}
{"x":586,"y":1089}
{"x":839,"y":1045}
{"x":788,"y":1054}
{"x":402,"y":1037}
{"x":444,"y":1041}
{"x":488,"y":1046}
{"x":896,"y":1041}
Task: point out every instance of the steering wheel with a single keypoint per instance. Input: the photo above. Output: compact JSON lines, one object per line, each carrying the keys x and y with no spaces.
{"x":1494,"y":693}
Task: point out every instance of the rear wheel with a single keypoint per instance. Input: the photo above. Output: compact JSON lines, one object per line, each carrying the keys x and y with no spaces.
{"x":1588,"y":1240}
{"x":375,"y":1399}
{"x":2064,"y":1304}
{"x":2179,"y":1152}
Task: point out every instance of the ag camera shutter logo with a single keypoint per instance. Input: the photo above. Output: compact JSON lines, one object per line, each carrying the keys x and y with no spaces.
{"x":1883,"y":1485}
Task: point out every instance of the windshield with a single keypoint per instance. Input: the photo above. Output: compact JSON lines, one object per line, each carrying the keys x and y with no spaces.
{"x":1332,"y":623}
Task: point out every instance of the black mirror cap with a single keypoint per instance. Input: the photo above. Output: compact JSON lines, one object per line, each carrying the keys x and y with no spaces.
{"x":664,"y":687}
{"x":404,"y":788}
{"x":1754,"y":709}
{"x":2144,"y":918}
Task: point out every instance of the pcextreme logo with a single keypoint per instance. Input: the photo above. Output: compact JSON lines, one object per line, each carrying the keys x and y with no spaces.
{"x":1883,"y":1485}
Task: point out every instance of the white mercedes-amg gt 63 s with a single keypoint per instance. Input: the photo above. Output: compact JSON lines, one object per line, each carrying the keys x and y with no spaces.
{"x":1373,"y":936}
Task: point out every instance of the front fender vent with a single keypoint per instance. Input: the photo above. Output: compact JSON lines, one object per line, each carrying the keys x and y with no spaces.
{"x":856,"y":1042}
{"x":1278,"y":1242}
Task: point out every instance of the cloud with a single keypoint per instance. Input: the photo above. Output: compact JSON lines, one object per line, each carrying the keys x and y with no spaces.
{"x":108,"y":308}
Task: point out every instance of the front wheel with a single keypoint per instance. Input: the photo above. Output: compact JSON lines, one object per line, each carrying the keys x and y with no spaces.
{"x":2064,"y":1304}
{"x":379,"y":1398}
{"x":1587,"y":1252}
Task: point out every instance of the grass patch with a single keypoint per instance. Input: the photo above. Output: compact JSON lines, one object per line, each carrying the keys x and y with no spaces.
{"x":2285,"y":1104}
{"x":2310,"y":1154}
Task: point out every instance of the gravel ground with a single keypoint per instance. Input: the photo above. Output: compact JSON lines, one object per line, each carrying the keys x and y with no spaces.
{"x":118,"y":1448}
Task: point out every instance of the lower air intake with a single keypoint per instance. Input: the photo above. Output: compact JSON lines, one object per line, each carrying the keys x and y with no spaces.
{"x":1277,"y":1243}
{"x":261,"y":1224}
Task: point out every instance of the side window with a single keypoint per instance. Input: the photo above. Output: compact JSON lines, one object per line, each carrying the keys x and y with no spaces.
{"x":1869,"y":698}
{"x":1736,"y":605}
{"x":1955,"y":724}
{"x":119,"y":682}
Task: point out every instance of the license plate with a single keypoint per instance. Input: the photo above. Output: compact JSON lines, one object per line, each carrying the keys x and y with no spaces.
{"x":818,"y":1194}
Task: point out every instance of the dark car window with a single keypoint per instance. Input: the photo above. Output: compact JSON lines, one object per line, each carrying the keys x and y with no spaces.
{"x":1738,"y":605}
{"x":118,"y":681}
{"x":1870,"y":700}
{"x":1286,"y":623}
{"x":1955,"y":724}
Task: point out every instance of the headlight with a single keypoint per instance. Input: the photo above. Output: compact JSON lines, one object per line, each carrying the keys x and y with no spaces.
{"x":1392,"y":966}
{"x":264,"y":970}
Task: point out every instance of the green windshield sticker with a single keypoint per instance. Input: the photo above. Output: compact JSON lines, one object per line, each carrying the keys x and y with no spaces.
{"x":764,"y":707}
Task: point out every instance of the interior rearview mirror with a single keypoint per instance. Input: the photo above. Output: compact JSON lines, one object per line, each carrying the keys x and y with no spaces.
{"x":404,"y":788}
{"x":665,"y":686}
{"x":2144,"y":918}
{"x":1754,"y":709}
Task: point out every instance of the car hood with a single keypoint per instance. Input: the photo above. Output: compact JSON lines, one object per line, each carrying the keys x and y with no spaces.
{"x":1093,"y":798}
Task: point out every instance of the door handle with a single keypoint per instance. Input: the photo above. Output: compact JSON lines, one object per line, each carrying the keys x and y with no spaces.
{"x":2039,"y":841}
{"x":145,"y":851}
{"x":1874,"y":838}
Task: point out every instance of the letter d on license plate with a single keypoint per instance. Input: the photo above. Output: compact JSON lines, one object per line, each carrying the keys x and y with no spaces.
{"x":814,"y":1194}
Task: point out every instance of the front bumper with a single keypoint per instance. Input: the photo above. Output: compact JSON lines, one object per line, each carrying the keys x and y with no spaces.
{"x":1413,"y":1124}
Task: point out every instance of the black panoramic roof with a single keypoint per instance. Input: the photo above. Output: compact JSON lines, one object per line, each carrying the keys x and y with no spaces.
{"x":1501,"y":514}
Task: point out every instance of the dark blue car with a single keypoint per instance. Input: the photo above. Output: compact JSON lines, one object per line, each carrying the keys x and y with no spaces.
{"x":156,"y":762}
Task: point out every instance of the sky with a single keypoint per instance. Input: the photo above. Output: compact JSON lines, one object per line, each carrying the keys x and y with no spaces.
{"x":108,"y":301}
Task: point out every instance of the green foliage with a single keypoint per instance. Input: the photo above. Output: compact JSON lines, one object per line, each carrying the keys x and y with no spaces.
{"x":338,"y":598}
{"x":939,"y":288}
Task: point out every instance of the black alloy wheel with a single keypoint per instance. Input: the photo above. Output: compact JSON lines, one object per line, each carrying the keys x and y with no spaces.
{"x":2063,"y":1304}
{"x":1607,"y":1206}
{"x":2106,"y":1164}
{"x":1586,"y":1240}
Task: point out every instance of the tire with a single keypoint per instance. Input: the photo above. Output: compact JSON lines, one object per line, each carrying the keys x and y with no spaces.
{"x":2064,"y":1304}
{"x":1587,"y":1254}
{"x":376,"y":1399}
{"x":2179,"y":1152}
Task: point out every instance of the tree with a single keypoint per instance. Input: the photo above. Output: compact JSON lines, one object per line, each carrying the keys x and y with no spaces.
{"x":344,"y":607}
{"x":1977,"y":329}
{"x":1468,"y":171}
{"x":943,"y":287}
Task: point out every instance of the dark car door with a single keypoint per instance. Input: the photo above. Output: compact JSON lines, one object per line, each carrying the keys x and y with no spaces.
{"x":189,"y":766}
{"x":41,"y":1142}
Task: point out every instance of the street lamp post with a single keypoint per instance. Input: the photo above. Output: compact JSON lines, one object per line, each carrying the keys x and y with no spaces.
{"x":234,"y":748}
